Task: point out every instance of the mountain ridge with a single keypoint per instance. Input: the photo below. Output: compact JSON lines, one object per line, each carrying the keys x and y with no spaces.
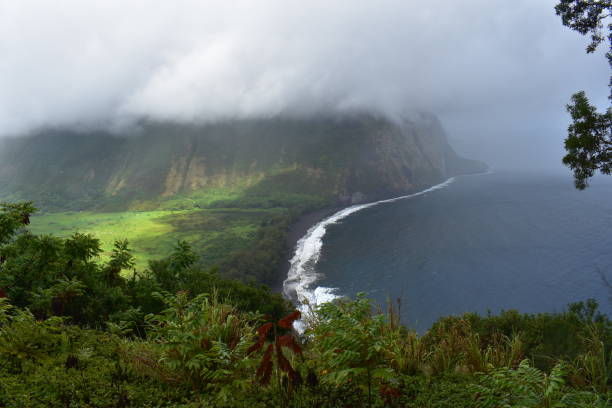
{"x":231,"y":190}
{"x":347,"y":160}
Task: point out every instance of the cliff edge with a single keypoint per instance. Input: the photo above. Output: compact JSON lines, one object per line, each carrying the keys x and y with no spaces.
{"x":346,"y":160}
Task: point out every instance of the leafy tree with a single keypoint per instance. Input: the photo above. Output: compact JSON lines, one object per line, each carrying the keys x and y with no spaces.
{"x":62,"y":277}
{"x":121,"y":258}
{"x":179,"y":272}
{"x":589,"y":141}
{"x":54,"y":276}
{"x":587,"y":17}
{"x":12,"y":218}
{"x":81,"y":248}
{"x":173,"y":273}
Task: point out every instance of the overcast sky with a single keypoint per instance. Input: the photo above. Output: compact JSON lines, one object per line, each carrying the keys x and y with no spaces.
{"x":497,"y":73}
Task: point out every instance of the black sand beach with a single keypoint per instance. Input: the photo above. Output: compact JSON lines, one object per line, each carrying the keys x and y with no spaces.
{"x":296,"y":231}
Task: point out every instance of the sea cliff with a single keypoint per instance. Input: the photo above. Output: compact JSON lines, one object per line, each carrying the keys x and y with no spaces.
{"x":348,"y":159}
{"x":232,"y":190}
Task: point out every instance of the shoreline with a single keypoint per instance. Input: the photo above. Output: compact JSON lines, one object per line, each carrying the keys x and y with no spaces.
{"x":296,"y":231}
{"x":300,"y":227}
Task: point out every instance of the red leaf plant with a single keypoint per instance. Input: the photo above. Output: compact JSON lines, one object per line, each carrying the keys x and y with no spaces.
{"x":287,"y":321}
{"x":274,"y":350}
{"x":264,"y":371}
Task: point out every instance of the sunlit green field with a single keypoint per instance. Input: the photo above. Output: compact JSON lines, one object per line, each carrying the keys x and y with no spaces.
{"x":214,"y":233}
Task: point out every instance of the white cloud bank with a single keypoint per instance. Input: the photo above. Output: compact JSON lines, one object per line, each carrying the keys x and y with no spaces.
{"x":106,"y":62}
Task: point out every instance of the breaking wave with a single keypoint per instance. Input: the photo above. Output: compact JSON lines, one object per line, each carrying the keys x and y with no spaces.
{"x":300,"y":285}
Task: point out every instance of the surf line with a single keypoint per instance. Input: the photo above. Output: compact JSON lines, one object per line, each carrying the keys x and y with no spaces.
{"x":302,"y":276}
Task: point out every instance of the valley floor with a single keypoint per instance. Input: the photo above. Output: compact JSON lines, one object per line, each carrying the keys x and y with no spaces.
{"x":152,"y":234}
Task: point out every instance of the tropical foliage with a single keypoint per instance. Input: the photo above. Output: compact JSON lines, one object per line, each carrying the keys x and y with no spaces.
{"x":54,"y":276}
{"x":77,"y":332}
{"x":201,"y":352}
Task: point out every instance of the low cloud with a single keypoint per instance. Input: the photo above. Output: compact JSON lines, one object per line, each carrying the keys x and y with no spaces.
{"x":106,"y":63}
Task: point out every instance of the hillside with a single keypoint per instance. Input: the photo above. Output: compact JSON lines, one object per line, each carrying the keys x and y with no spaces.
{"x":346,"y":158}
{"x":220,"y":186}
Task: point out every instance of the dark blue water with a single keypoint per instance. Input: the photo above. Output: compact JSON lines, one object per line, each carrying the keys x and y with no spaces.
{"x":489,"y":242}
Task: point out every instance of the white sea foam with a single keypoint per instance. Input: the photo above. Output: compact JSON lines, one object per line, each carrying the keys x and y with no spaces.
{"x":302,"y":276}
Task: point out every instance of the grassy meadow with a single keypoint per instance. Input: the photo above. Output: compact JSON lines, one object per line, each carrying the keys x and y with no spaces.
{"x":240,"y":229}
{"x":213,"y":233}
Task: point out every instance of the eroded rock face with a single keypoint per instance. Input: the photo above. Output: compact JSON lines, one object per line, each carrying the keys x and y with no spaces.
{"x":354,"y":159}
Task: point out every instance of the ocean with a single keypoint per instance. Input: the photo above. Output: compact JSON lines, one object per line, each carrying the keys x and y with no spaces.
{"x":481,"y":243}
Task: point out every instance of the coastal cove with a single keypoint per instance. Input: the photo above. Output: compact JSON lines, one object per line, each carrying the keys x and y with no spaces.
{"x":302,"y":273}
{"x":486,"y":242}
{"x":306,"y":204}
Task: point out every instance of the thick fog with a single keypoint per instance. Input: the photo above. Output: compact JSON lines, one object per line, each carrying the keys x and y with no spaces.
{"x":497,"y":73}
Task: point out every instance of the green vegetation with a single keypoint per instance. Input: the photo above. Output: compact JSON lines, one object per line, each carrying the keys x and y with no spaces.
{"x":215,"y":233}
{"x":76,"y":332}
{"x":589,"y":137}
{"x":108,"y":228}
{"x":61,"y":276}
{"x":199,"y":353}
{"x":242,"y":230}
{"x":229,"y":189}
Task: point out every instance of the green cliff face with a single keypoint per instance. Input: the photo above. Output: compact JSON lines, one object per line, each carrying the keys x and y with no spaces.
{"x":343,"y":160}
{"x":231,"y":189}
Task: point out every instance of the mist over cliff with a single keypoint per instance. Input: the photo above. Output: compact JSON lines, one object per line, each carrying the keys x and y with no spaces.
{"x":346,"y":159}
{"x":497,"y":74}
